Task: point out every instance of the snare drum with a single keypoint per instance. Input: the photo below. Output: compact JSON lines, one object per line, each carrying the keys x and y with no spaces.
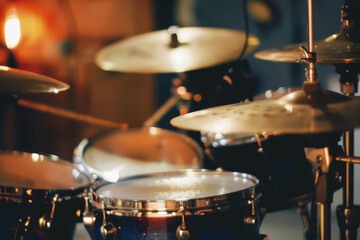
{"x":119,"y":153}
{"x":41,"y":197}
{"x":191,"y":204}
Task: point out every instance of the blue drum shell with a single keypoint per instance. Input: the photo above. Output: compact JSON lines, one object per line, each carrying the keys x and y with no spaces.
{"x":210,"y":225}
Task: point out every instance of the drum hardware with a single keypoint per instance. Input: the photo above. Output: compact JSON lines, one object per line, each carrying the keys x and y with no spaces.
{"x":323,"y":192}
{"x":107,"y":230}
{"x":181,"y":232}
{"x":46,"y":220}
{"x":348,"y":213}
{"x":88,"y":217}
{"x":70,"y":114}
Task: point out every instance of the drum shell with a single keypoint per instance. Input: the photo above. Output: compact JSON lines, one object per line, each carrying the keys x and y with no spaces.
{"x":286,"y":176}
{"x":66,"y":215}
{"x":228,"y":224}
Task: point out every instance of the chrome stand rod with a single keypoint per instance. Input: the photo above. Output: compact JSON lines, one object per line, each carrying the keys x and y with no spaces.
{"x":323,"y":210}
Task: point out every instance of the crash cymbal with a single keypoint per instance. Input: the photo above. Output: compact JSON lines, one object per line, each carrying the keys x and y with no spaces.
{"x":294,"y":113}
{"x":334,"y":49}
{"x":197,"y":48}
{"x":14,"y":81}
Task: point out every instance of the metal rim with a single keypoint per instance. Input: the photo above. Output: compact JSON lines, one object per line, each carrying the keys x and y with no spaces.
{"x":95,"y":174}
{"x":128,"y":205}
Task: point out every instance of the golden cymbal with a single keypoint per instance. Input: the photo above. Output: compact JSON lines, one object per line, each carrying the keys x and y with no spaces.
{"x":293,"y":113}
{"x":14,"y":81}
{"x":334,"y":49}
{"x":151,"y":52}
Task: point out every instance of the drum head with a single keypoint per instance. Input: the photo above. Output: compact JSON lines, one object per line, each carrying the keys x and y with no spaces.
{"x":35,"y":171}
{"x":178,"y":186}
{"x":119,"y":154}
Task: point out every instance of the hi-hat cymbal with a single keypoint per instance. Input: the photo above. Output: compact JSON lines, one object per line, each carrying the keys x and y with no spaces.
{"x":151,"y":52}
{"x":14,"y":81}
{"x":334,"y":49}
{"x":294,"y":113}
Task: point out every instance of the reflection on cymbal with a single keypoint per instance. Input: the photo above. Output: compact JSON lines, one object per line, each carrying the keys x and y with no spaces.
{"x":334,"y":49}
{"x":14,"y":81}
{"x":293,"y":113}
{"x":197,"y":48}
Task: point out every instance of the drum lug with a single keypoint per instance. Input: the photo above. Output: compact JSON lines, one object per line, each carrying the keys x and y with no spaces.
{"x":251,"y":220}
{"x":107,"y":230}
{"x":181,"y":232}
{"x":46,"y":220}
{"x":88,"y":218}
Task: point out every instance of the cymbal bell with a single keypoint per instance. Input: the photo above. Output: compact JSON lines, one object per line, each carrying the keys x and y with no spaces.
{"x":197,"y":48}
{"x":294,"y":113}
{"x":334,"y":49}
{"x":14,"y":81}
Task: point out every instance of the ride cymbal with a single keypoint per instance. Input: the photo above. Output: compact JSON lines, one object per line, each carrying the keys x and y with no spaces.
{"x":294,"y":113}
{"x":14,"y":81}
{"x":196,"y":48}
{"x":334,"y":49}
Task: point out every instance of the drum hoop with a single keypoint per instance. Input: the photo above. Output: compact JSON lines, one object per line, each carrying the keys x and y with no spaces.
{"x":19,"y":194}
{"x":126,"y":205}
{"x":80,"y":150}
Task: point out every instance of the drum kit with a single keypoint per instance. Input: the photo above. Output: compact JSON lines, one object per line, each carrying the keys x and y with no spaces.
{"x":149,"y":183}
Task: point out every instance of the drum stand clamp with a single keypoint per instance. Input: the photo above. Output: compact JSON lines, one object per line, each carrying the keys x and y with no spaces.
{"x":324,"y":182}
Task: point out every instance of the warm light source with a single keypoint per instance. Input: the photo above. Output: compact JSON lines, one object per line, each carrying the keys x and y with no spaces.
{"x":12,"y":29}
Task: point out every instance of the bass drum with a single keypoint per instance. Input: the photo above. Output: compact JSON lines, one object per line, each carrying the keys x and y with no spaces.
{"x":41,"y":197}
{"x":286,"y":176}
{"x":194,"y":204}
{"x":117,"y":154}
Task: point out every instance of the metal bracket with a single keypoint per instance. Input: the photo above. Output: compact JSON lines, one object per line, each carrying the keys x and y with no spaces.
{"x":319,"y":158}
{"x":46,"y":220}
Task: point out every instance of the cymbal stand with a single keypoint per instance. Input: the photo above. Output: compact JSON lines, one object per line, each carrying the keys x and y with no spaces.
{"x":323,"y":192}
{"x":322,"y":161}
{"x":348,"y":213}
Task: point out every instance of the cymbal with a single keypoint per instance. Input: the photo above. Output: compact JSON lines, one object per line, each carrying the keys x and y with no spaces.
{"x":151,"y":52}
{"x":293,"y":113}
{"x":334,"y":49}
{"x":14,"y":81}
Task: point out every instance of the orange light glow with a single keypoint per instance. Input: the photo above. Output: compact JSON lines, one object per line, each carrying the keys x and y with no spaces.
{"x":12,"y":29}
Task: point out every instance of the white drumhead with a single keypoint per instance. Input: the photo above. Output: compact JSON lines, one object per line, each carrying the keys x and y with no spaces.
{"x":182,"y":186}
{"x":35,"y":171}
{"x":121,"y":154}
